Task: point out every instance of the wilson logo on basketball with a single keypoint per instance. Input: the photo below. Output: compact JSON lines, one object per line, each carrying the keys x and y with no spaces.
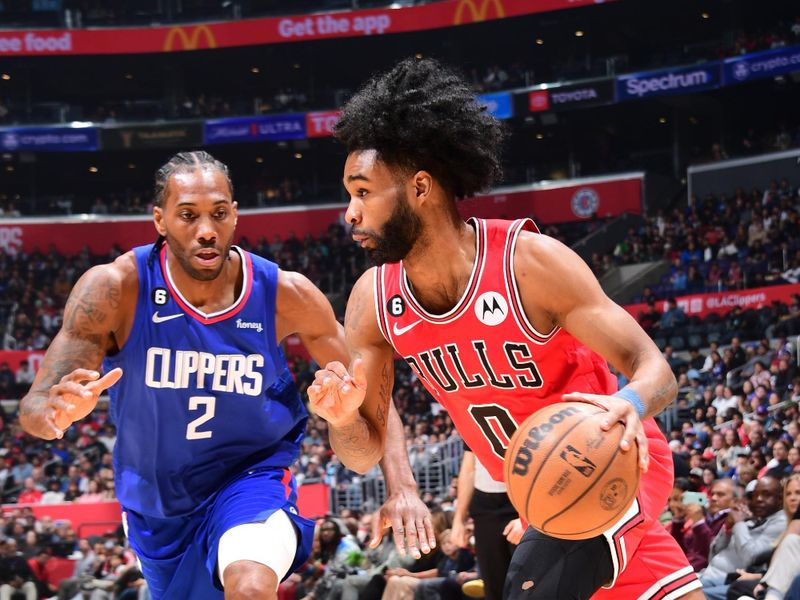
{"x":188,"y":38}
{"x":536,"y":436}
{"x":478,"y":10}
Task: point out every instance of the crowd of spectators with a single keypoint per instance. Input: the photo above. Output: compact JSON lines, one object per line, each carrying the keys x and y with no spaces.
{"x":721,"y":242}
{"x":735,"y":421}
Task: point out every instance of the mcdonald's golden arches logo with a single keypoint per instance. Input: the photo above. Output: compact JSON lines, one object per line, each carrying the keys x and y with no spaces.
{"x":477,"y":10}
{"x":188,"y":38}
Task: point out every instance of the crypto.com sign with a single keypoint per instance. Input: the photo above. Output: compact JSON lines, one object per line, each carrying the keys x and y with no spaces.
{"x":188,"y":38}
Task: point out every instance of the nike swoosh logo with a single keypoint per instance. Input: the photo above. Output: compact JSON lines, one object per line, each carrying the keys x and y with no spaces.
{"x":158,"y":319}
{"x":401,"y":330}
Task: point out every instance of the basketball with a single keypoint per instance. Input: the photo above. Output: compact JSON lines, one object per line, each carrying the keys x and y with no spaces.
{"x":566,"y":476}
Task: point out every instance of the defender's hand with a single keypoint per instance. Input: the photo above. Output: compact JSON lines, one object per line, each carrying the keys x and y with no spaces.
{"x":336,"y":395}
{"x":458,"y":533}
{"x":619,"y":410}
{"x":75,"y":396}
{"x":514,"y":531}
{"x":410,"y":521}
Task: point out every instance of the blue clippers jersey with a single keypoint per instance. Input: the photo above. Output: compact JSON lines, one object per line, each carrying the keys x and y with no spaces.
{"x":203,"y":397}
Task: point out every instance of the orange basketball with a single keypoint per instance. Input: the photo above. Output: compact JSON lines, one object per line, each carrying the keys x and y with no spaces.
{"x":567,"y":476}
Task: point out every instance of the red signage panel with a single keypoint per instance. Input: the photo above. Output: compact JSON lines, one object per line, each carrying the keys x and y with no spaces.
{"x":271,"y":30}
{"x":560,"y":204}
{"x":701,"y":305}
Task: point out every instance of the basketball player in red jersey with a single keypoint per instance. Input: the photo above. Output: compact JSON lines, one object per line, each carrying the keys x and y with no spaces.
{"x":497,"y":321}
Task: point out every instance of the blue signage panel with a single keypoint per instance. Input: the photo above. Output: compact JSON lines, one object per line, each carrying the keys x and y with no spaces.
{"x":281,"y":127}
{"x":498,"y":105}
{"x":49,"y":139}
{"x":757,"y":65}
{"x":665,"y":82}
{"x":256,"y":129}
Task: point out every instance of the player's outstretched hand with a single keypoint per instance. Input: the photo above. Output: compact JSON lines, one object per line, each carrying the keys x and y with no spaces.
{"x":75,"y":396}
{"x":622,"y":411}
{"x":336,"y":395}
{"x":410,"y":521}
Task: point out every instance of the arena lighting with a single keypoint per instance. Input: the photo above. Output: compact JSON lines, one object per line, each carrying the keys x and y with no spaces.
{"x":296,"y":66}
{"x":5,"y":76}
{"x":579,"y":33}
{"x":259,"y":159}
{"x":662,"y":120}
{"x":255,"y":70}
{"x":418,"y":55}
{"x":131,"y":166}
{"x":93,"y":169}
{"x":539,"y":42}
{"x":10,"y":168}
{"x":79,"y":124}
{"x":539,"y":136}
{"x":128,"y":76}
{"x":705,"y":15}
{"x":298,"y":155}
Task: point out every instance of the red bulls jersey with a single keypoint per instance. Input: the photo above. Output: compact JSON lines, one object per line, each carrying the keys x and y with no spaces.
{"x":483,"y":360}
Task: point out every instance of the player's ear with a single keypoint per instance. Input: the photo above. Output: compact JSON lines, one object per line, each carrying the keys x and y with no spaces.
{"x":235,"y":211}
{"x":423,"y":184}
{"x":158,"y":220}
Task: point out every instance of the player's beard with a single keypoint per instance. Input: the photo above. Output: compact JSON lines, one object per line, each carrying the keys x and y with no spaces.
{"x":397,"y":236}
{"x":184,"y":257}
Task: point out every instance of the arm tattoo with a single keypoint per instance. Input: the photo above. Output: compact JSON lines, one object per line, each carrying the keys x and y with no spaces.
{"x":664,"y":392}
{"x":385,"y":396}
{"x":352,"y":439}
{"x":88,"y":307}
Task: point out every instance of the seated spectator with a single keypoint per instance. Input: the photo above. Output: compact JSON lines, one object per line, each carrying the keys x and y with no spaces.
{"x":30,"y":493}
{"x":747,"y":533}
{"x":673,"y":315}
{"x":15,"y":572}
{"x":402,"y":584}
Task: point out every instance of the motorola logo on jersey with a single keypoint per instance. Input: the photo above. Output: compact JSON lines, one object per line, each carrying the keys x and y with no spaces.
{"x":188,"y":369}
{"x":491,"y":308}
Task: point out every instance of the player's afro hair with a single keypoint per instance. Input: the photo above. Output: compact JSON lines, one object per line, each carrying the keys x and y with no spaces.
{"x":423,"y":116}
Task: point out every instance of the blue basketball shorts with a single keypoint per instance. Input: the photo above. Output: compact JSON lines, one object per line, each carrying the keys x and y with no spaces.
{"x":178,"y":555}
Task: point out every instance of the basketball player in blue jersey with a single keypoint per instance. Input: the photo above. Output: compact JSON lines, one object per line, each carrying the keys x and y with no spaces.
{"x":208,"y":417}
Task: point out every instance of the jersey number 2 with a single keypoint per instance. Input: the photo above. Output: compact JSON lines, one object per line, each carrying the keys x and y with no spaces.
{"x":195,"y":402}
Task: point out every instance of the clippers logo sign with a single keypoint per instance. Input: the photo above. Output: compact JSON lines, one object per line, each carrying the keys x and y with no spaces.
{"x":585,"y":203}
{"x":491,"y":308}
{"x":189,"y":38}
{"x":474,"y":11}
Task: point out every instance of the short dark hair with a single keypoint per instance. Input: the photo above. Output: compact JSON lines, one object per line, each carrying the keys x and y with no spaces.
{"x":181,"y":163}
{"x":422,"y":115}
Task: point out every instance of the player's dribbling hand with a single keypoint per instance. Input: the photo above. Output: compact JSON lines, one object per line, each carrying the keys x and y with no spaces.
{"x":410,"y":520}
{"x":336,"y":395}
{"x":622,"y":411}
{"x":75,"y":396}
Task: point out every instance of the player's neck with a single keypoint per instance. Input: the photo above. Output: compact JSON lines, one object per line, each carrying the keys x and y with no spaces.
{"x":440,"y":264}
{"x":209,"y":296}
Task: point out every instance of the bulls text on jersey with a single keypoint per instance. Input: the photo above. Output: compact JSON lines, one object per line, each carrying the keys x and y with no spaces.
{"x":185,"y":369}
{"x":518,"y":371}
